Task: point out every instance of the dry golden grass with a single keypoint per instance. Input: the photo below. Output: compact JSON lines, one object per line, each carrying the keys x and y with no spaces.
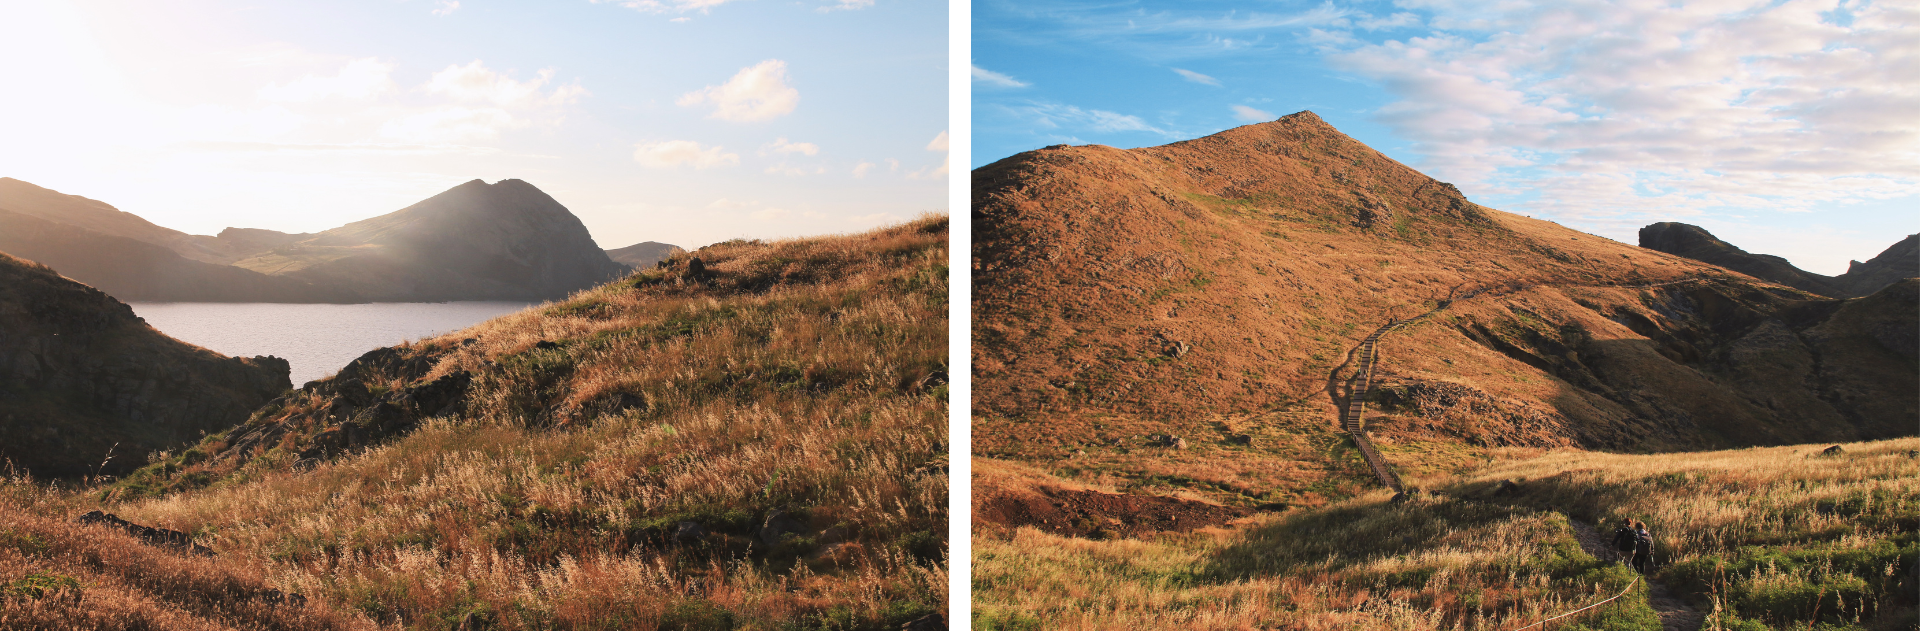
{"x":1766,"y":535}
{"x":805,"y":376}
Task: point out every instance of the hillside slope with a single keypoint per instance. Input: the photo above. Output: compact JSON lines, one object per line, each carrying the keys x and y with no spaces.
{"x":87,"y":387}
{"x":1750,"y":539}
{"x":642,"y":255}
{"x":103,"y":218}
{"x":756,"y":441}
{"x":476,"y":241}
{"x":134,"y":270}
{"x":1212,"y":290}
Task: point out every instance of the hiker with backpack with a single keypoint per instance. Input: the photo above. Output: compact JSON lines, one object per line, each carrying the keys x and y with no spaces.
{"x":1623,"y":540}
{"x":1642,"y":547}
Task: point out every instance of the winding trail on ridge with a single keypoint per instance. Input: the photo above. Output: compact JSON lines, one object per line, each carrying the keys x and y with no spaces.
{"x":1352,"y":402}
{"x":1675,"y":614}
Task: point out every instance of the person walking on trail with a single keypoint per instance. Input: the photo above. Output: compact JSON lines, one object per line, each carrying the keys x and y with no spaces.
{"x":1642,"y":547}
{"x":1623,"y":540}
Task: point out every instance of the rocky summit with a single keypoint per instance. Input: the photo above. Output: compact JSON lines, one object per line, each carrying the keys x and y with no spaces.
{"x":87,"y":387}
{"x":1223,"y":286}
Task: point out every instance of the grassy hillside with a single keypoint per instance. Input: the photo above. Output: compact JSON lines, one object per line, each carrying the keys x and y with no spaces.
{"x":1778,"y":537}
{"x":1214,"y":290}
{"x":757,"y":444}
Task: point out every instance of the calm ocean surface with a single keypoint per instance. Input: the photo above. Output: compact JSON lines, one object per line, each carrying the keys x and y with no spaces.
{"x":316,"y":339}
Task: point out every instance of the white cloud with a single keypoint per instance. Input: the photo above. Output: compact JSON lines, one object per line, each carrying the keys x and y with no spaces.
{"x":1251,"y":115}
{"x":938,"y":144}
{"x":475,"y":82}
{"x":447,"y":7}
{"x":1196,"y":77}
{"x":1657,"y":110}
{"x":673,"y":153}
{"x":780,"y":145}
{"x":786,"y":169}
{"x":846,"y":5}
{"x":995,"y":78}
{"x":861,"y":170}
{"x":756,"y":93}
{"x":667,"y":6}
{"x":450,"y":124}
{"x":360,"y":79}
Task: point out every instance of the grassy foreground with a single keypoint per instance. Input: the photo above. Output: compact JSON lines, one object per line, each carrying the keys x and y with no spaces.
{"x":1778,"y":537}
{"x":789,"y":404}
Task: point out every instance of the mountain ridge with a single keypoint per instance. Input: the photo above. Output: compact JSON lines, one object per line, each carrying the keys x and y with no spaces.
{"x":475,"y":241}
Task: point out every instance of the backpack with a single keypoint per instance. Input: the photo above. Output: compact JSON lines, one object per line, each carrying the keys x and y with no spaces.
{"x":1642,"y":542}
{"x":1623,"y":539}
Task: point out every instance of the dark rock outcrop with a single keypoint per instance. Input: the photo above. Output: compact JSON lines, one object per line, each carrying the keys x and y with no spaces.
{"x":1696,"y":243}
{"x":87,"y":387}
{"x":1897,"y":263}
{"x":343,"y":414}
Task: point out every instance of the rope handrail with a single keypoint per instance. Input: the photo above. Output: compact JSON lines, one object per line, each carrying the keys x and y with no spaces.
{"x":1623,"y":592}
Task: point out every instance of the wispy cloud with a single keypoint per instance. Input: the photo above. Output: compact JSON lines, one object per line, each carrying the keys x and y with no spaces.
{"x":667,"y":6}
{"x":1196,"y":77}
{"x":845,"y":5}
{"x":983,"y":75}
{"x":476,"y":82}
{"x":1053,"y":115}
{"x":782,"y":146}
{"x":446,"y":7}
{"x":1251,"y":115}
{"x":674,"y":153}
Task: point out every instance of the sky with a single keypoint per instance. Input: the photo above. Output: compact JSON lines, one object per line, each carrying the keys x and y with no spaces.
{"x":1787,"y":128}
{"x":681,"y":121}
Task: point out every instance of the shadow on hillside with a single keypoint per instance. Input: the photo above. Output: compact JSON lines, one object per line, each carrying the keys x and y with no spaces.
{"x":1335,"y":538}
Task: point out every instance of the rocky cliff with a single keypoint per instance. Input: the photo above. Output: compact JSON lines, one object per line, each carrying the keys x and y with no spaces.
{"x":86,"y":386}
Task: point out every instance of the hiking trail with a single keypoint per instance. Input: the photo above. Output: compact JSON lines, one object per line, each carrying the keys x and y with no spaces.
{"x":1675,"y":614}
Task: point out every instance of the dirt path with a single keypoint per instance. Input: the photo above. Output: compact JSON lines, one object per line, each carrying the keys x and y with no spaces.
{"x":1675,"y":614}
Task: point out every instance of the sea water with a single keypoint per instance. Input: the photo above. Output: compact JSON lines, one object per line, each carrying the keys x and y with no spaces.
{"x":316,"y":339}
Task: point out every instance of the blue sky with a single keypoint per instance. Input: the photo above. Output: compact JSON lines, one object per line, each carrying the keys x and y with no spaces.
{"x":683,"y":121}
{"x":1787,"y":128}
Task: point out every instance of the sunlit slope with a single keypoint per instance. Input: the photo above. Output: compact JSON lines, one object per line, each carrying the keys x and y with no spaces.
{"x":753,"y":441}
{"x":1773,"y":538}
